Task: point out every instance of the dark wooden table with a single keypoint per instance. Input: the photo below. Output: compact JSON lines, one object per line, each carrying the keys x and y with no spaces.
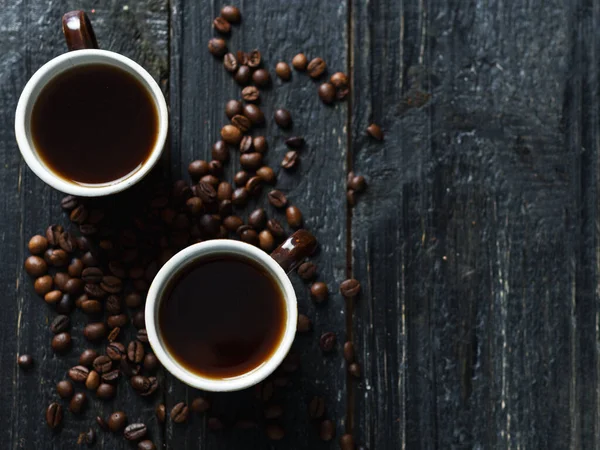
{"x":477,"y":241}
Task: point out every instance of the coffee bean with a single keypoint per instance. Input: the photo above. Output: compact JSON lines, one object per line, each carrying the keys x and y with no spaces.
{"x":266,"y":174}
{"x":87,"y":229}
{"x":249,"y":236}
{"x":233,"y":108}
{"x":111,"y":284}
{"x":54,"y":415}
{"x":53,"y":297}
{"x":246,"y":144}
{"x":117,"y":421}
{"x":222,"y":25}
{"x":198,"y":169}
{"x":60,"y":280}
{"x":254,"y":59}
{"x":242,"y":123}
{"x":161,"y":413}
{"x":200,"y":405}
{"x":241,"y":178}
{"x":232,"y":223}
{"x":65,"y":305}
{"x":61,"y":342}
{"x":146,"y":445}
{"x":327,"y":430}
{"x":91,"y":307}
{"x":139,"y":319}
{"x":327,"y":93}
{"x":37,"y":245}
{"x":242,"y":57}
{"x":347,"y":442}
{"x":275,"y":228}
{"x":67,"y":242}
{"x":254,"y":113}
{"x":375,"y":132}
{"x":300,"y":62}
{"x":354,"y":370}
{"x":260,"y":144}
{"x":350,"y":288}
{"x":74,"y":286}
{"x":115,"y":351}
{"x":43,"y":285}
{"x":180,"y":413}
{"x":257,"y":219}
{"x":251,"y":161}
{"x":261,"y":78}
{"x":25,"y":362}
{"x":111,"y":376}
{"x":94,"y":331}
{"x":243,"y":75}
{"x":135,"y":352}
{"x":140,"y":383}
{"x":275,"y":432}
{"x":94,"y":291}
{"x":327,"y":341}
{"x":231,"y":14}
{"x":357,"y":183}
{"x":316,"y":407}
{"x":78,"y":373}
{"x":52,"y":234}
{"x":307,"y":270}
{"x":290,"y":160}
{"x":217,"y":47}
{"x":215,"y":424}
{"x":79,"y":215}
{"x":102,"y":364}
{"x":151,"y":363}
{"x":106,"y":391}
{"x":316,"y":68}
{"x":251,"y":93}
{"x":89,"y":260}
{"x":273,"y":412}
{"x":101,"y":423}
{"x":351,"y":197}
{"x":77,"y":403}
{"x":64,"y":389}
{"x":35,"y":266}
{"x":283,"y":71}
{"x":240,"y":196}
{"x":75,"y":268}
{"x":293,"y":216}
{"x":114,"y":334}
{"x":349,"y":352}
{"x":93,"y":380}
{"x":230,"y":63}
{"x":128,"y":368}
{"x":87,"y":437}
{"x":117,"y":321}
{"x":142,"y":335}
{"x":277,"y":198}
{"x":341,"y":83}
{"x":87,"y":357}
{"x":206,"y":192}
{"x":304,"y":324}
{"x":266,"y":241}
{"x":319,"y":291}
{"x":283,"y":118}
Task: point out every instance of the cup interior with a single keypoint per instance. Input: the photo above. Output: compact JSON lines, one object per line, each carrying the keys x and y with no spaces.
{"x":48,"y":72}
{"x":182,"y":260}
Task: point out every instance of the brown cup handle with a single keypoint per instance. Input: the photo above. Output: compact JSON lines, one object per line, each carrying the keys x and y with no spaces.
{"x":78,"y":31}
{"x":294,"y":250}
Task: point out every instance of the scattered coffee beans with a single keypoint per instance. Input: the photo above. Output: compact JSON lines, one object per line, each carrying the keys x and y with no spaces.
{"x":283,"y":71}
{"x":375,"y":132}
{"x":300,"y":62}
{"x":117,"y":421}
{"x":350,"y":288}
{"x":135,"y":431}
{"x":231,"y":14}
{"x":61,"y":342}
{"x":327,"y":341}
{"x":354,"y":370}
{"x":221,"y":25}
{"x":179,"y":413}
{"x":161,"y":413}
{"x":316,"y":407}
{"x":327,"y":93}
{"x":290,"y":160}
{"x":217,"y":46}
{"x":319,"y":291}
{"x":347,"y":442}
{"x":327,"y":430}
{"x":64,"y":389}
{"x":349,"y":352}
{"x":304,"y":324}
{"x":25,"y":362}
{"x":293,"y":216}
{"x":38,"y":245}
{"x":316,"y":68}
{"x":200,"y":405}
{"x":283,"y":118}
{"x":260,"y":78}
{"x":77,"y":403}
{"x":54,"y":415}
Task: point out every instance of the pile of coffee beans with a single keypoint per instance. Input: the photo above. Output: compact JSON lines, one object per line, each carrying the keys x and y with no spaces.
{"x":104,"y":263}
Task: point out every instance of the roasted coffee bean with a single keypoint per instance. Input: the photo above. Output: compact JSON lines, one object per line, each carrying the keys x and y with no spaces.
{"x":254,"y":113}
{"x":347,"y":442}
{"x":283,"y":71}
{"x":266,"y":174}
{"x":316,"y":407}
{"x":67,"y":242}
{"x":35,"y":266}
{"x":161,"y":413}
{"x":37,"y":245}
{"x":283,"y":118}
{"x":251,"y":93}
{"x":53,"y":297}
{"x":350,"y":288}
{"x":304,"y":324}
{"x":79,"y":373}
{"x":91,"y":307}
{"x":135,"y":352}
{"x":327,"y":430}
{"x":80,"y":299}
{"x":61,"y":342}
{"x":357,"y":183}
{"x":75,"y":268}
{"x":293,"y":216}
{"x":117,"y":320}
{"x":254,"y":59}
{"x":275,"y":432}
{"x":251,"y":161}
{"x":74,"y":286}
{"x":243,"y":123}
{"x":243,"y":74}
{"x":83,"y":243}
{"x":25,"y":362}
{"x":260,"y":78}
{"x":257,"y":219}
{"x":209,"y":179}
{"x":260,"y":144}
{"x":354,"y":370}
{"x":102,"y":364}
{"x":246,"y":144}
{"x":233,"y":108}
{"x":52,"y":234}
{"x":351,"y":197}
{"x":94,"y":331}
{"x":275,"y":228}
{"x":327,"y":93}
{"x":249,"y":236}
{"x":93,"y":380}
{"x":290,"y":160}
{"x":206,"y":192}
{"x":151,"y":363}
{"x":232,"y":134}
{"x":43,"y":285}
{"x":198,"y":169}
{"x":139,"y":320}
{"x":273,"y":412}
{"x":133,"y":300}
{"x":295,"y":142}
{"x":277,"y":198}
{"x":241,"y":178}
{"x":300,"y":62}
{"x":117,"y":421}
{"x":60,"y":324}
{"x":375,"y":132}
{"x":140,"y":383}
{"x":88,"y":259}
{"x":194,"y":205}
{"x":87,"y":437}
{"x":232,"y":223}
{"x":230,"y":63}
{"x":64,"y":389}
{"x":242,"y":57}
{"x":87,"y":229}
{"x":349,"y":352}
{"x":114,"y":334}
{"x":217,"y":47}
{"x":240,"y":196}
{"x":220,"y":151}
{"x":79,"y":215}
{"x":60,"y":280}
{"x":142,"y":335}
{"x":316,"y":68}
{"x":231,"y":14}
{"x":209,"y":225}
{"x":341,"y":83}
{"x":224,"y":191}
{"x":152,"y":388}
{"x":200,"y":405}
{"x":179,"y":413}
{"x":101,"y":423}
{"x":65,"y":305}
{"x":77,"y":403}
{"x":111,"y":377}
{"x":106,"y":391}
{"x":319,"y":291}
{"x":87,"y":357}
{"x":94,"y":291}
{"x":146,"y":445}
{"x":222,"y":25}
{"x":307,"y":270}
{"x":266,"y":241}
{"x":327,"y":341}
{"x":111,"y":284}
{"x":54,"y":415}
{"x":115,"y":351}
{"x":128,"y":368}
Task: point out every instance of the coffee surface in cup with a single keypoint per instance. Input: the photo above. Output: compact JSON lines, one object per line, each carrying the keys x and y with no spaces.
{"x":94,"y":124}
{"x":222,"y":317}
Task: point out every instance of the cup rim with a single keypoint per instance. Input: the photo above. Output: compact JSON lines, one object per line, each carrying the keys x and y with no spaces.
{"x":58,"y":65}
{"x":214,"y":247}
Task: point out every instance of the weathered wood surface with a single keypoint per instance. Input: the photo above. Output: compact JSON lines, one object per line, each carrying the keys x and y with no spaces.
{"x":476,"y":241}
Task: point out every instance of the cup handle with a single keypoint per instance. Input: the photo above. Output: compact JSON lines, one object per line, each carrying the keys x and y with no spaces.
{"x":78,"y":31}
{"x":294,"y":250}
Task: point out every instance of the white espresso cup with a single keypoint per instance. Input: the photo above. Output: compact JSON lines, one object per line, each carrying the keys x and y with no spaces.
{"x":82,"y":43}
{"x":283,"y":259}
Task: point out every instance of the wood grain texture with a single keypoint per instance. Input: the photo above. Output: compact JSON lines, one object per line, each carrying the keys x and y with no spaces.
{"x":476,"y":240}
{"x":31,"y":37}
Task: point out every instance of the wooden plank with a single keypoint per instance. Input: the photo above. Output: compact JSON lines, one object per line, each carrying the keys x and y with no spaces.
{"x":474,"y":328}
{"x":31,"y":38}
{"x":199,"y":91}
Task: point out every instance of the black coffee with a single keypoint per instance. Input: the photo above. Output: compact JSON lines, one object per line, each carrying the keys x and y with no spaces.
{"x":221,"y":317}
{"x":94,"y":124}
